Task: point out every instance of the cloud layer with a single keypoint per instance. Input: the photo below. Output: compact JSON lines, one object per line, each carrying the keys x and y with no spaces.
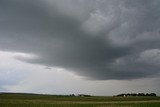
{"x":98,"y":39}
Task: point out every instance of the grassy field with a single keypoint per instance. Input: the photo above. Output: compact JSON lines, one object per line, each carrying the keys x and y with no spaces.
{"x":33,"y":100}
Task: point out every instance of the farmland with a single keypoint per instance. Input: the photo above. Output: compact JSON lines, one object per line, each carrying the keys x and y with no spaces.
{"x":36,"y":100}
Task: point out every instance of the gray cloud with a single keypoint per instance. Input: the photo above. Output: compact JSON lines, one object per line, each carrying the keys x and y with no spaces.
{"x":105,"y":40}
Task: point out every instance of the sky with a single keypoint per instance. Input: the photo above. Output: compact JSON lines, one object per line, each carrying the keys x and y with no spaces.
{"x":97,"y":47}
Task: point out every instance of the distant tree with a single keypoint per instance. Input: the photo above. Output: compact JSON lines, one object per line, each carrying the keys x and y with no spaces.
{"x":83,"y":95}
{"x":138,"y":94}
{"x":72,"y":95}
{"x":133,"y":94}
{"x":141,"y":94}
{"x":153,"y":94}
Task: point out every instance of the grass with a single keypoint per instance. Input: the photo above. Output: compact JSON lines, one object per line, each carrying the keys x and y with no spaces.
{"x":33,"y":100}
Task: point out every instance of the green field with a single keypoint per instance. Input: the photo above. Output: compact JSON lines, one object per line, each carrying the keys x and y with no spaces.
{"x":33,"y":100}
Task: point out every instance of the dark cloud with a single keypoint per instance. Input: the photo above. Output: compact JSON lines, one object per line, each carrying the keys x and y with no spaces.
{"x":109,"y":40}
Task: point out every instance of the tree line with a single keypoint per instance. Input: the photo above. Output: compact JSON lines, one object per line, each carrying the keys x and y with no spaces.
{"x":137,"y":94}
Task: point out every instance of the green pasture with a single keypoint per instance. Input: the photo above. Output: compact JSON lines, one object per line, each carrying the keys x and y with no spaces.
{"x":33,"y":100}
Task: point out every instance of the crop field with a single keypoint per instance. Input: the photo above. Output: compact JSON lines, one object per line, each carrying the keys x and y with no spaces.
{"x":35,"y":100}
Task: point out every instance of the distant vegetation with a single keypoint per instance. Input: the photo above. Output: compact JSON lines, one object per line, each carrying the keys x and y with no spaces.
{"x":137,"y":94}
{"x":38,"y":100}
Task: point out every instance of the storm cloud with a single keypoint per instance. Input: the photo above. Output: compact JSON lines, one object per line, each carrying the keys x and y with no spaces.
{"x":98,"y":39}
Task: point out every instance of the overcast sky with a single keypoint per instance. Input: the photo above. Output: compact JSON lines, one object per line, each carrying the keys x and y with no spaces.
{"x":98,"y":47}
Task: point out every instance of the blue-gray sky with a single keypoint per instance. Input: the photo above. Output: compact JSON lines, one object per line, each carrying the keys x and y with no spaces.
{"x":60,"y":46}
